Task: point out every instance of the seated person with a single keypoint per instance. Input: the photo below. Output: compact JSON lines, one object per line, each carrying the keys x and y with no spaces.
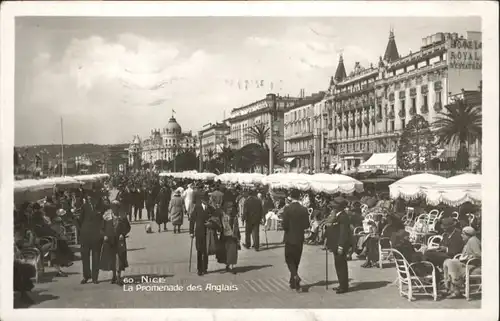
{"x":455,"y":269}
{"x":23,"y":272}
{"x":62,"y":256}
{"x":451,"y":245}
{"x":370,"y":246}
{"x":316,"y":219}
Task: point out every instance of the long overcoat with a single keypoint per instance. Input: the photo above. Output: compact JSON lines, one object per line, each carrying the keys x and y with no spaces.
{"x":199,"y":216}
{"x":176,"y":210}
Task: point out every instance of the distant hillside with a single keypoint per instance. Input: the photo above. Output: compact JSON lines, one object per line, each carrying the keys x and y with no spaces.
{"x":52,"y":152}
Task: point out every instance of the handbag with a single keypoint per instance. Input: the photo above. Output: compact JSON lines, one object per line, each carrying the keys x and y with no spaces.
{"x":227,"y":228}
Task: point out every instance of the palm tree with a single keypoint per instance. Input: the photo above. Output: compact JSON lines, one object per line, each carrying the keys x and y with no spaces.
{"x":260,"y":133}
{"x":225,"y":156}
{"x":460,"y":122}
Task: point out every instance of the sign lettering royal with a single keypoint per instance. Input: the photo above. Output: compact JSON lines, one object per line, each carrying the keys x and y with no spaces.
{"x":465,"y":54}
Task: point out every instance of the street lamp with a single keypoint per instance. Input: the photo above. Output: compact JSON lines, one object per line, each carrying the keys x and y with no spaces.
{"x":273,"y":113}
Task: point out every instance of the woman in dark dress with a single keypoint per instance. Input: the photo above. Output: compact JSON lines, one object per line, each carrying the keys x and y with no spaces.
{"x":114,"y":248}
{"x":163,"y":201}
{"x":230,"y":235}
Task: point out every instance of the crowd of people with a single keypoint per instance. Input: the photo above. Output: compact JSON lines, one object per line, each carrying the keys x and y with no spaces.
{"x":215,"y":212}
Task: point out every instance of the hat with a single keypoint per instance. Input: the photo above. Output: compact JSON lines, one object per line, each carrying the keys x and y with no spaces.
{"x":339,"y":203}
{"x":61,"y":212}
{"x":447,"y":222}
{"x":469,"y":231}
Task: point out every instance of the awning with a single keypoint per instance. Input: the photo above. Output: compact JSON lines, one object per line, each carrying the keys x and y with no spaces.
{"x":379,"y":161}
{"x":289,"y":159}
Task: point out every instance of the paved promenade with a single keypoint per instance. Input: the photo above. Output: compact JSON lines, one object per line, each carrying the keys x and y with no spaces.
{"x":261,"y":281}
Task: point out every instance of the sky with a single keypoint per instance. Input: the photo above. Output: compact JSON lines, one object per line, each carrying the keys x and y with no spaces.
{"x":112,"y":78}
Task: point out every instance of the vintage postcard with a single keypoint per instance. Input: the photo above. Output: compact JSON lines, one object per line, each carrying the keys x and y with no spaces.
{"x":225,"y":160}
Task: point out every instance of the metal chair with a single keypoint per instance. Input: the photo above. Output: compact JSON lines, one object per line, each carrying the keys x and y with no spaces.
{"x":33,"y":256}
{"x":409,"y":283}
{"x":434,"y":241}
{"x":384,"y":251}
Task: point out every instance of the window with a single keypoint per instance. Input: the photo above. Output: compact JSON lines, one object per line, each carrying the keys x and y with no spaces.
{"x":438,"y":96}
{"x":392,"y":125}
{"x":402,"y":105}
{"x":425,"y":101}
{"x":413,"y":102}
{"x":403,"y":124}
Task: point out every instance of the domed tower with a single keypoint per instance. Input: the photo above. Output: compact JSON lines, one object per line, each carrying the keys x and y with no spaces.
{"x":134,"y":152}
{"x":172,"y":133}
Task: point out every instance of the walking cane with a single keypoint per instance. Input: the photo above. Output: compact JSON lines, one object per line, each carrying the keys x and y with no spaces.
{"x":265,"y":232}
{"x":190,"y":254}
{"x":326,"y":268}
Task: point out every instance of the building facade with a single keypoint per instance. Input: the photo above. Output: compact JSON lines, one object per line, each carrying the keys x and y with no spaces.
{"x":368,"y":109}
{"x":259,"y":112}
{"x":213,"y":139}
{"x":162,"y":144}
{"x":303,"y":134}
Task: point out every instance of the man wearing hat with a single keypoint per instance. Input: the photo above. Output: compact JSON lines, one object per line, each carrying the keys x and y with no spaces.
{"x":295,"y":222}
{"x":339,"y":237}
{"x":253,"y":215}
{"x":90,"y":222}
{"x":450,"y":246}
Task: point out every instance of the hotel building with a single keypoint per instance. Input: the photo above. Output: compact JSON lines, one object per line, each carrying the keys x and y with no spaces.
{"x":213,"y":139}
{"x":162,"y":144}
{"x":304,"y":137}
{"x":368,"y":109}
{"x":259,"y":112}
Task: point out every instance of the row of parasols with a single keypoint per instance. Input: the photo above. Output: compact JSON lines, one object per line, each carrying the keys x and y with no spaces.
{"x":36,"y":189}
{"x":452,"y":191}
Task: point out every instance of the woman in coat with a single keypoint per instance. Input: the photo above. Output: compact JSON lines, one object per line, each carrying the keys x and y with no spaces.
{"x":114,"y":248}
{"x":163,"y":201}
{"x":230,"y":235}
{"x":176,"y":211}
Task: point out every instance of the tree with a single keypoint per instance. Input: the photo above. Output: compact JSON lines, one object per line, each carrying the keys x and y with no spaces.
{"x":260,"y":133}
{"x":16,"y":158}
{"x":460,"y":122}
{"x":462,"y":161}
{"x":225,"y":156}
{"x":186,"y":160}
{"x":417,"y":145}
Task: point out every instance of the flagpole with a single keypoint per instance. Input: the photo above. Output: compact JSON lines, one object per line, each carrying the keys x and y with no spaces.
{"x":62,"y":148}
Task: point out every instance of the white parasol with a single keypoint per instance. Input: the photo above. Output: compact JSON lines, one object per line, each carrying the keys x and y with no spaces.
{"x":414,"y":186}
{"x":456,"y":190}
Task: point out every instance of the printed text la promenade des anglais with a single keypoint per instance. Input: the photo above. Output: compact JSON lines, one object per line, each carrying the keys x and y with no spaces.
{"x":160,"y":284}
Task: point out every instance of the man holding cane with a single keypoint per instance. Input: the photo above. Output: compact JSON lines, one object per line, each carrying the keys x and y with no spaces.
{"x":338,"y":241}
{"x":197,"y":228}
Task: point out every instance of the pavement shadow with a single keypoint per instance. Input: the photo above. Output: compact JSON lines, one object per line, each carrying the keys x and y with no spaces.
{"x":368,"y":286}
{"x":248,"y":268}
{"x":139,"y":222}
{"x":37,"y":296}
{"x":136,"y":249}
{"x":48,"y":277}
{"x":264,"y":248}
{"x":305,"y":288}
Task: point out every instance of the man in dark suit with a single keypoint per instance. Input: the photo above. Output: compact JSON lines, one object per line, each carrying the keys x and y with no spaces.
{"x":253,"y":215}
{"x":91,"y":237}
{"x":197,"y":228}
{"x":338,"y":241}
{"x":295,"y":221}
